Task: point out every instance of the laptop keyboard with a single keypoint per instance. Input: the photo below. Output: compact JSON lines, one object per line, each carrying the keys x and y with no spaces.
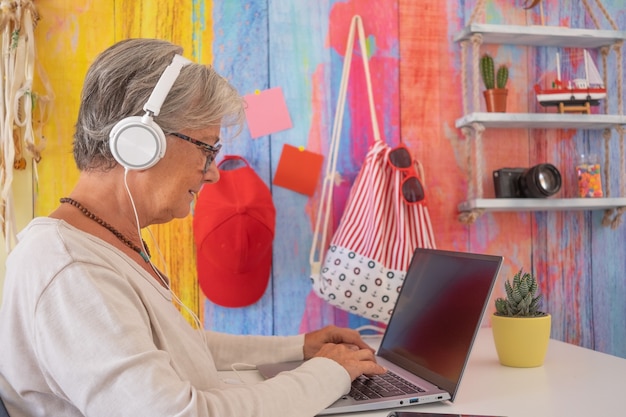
{"x":385,"y":385}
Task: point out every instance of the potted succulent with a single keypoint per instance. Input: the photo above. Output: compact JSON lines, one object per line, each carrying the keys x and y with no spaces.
{"x":495,"y":84}
{"x":521,"y":331}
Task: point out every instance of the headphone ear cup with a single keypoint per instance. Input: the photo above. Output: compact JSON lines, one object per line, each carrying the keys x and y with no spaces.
{"x":137,"y":142}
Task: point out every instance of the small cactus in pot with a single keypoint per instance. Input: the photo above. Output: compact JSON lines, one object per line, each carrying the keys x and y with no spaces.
{"x":491,"y":78}
{"x":495,"y":83}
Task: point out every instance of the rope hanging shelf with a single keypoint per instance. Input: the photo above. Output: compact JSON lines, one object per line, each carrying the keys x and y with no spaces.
{"x":474,"y":122}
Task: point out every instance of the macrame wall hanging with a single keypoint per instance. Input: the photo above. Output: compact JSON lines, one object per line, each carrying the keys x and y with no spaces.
{"x":22,"y":111}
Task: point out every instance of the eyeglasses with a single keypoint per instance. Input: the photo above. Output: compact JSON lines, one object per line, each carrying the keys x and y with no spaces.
{"x":210,"y":151}
{"x":412,"y":190}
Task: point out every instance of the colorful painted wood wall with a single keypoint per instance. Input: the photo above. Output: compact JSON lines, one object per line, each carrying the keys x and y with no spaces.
{"x":299,"y":45}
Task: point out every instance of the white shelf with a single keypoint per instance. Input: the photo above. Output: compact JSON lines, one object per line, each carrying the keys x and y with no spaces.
{"x":541,"y":120}
{"x":536,"y":35}
{"x":541,"y":204}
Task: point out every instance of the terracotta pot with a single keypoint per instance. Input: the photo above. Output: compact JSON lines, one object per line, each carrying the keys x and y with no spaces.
{"x":495,"y":99}
{"x":521,"y":342}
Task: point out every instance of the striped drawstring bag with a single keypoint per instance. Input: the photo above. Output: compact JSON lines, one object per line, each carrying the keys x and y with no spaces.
{"x":384,"y":221}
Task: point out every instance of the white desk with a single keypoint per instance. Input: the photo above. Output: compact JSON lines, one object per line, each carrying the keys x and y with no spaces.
{"x":573,"y":381}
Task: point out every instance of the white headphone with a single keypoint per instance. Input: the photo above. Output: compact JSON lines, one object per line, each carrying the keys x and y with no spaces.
{"x":137,"y":142}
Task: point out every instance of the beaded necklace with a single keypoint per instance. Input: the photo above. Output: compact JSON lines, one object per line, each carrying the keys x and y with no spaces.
{"x":145,"y":255}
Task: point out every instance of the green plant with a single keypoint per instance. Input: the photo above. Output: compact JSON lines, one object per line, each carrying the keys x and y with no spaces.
{"x":490,"y":78}
{"x":522,"y":299}
{"x":486,"y":70}
{"x":502,"y":76}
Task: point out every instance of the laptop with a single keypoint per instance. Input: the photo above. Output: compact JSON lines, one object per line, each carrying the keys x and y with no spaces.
{"x":430,"y":333}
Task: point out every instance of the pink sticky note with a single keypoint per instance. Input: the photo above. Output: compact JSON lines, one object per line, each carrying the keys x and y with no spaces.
{"x":266,"y":112}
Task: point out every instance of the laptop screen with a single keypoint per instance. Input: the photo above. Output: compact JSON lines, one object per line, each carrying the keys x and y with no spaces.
{"x":438,"y":312}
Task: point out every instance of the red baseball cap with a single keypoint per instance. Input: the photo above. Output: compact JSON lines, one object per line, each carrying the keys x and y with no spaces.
{"x":233,"y":227}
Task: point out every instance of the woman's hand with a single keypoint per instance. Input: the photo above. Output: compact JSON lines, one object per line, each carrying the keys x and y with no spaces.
{"x":345,"y":347}
{"x":314,"y":341}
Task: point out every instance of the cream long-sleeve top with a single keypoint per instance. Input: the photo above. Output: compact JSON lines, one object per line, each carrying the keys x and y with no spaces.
{"x":85,"y":331}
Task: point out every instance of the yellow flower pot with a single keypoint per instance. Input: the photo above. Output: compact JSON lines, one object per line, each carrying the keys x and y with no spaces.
{"x":521,"y":342}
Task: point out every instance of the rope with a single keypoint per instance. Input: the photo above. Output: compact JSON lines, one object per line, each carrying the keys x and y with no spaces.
{"x":474,"y":162}
{"x":320,"y":233}
{"x":616,"y":221}
{"x":606,"y":14}
{"x":478,"y":8}
{"x":480,"y":166}
{"x":606,"y":134}
{"x":604,"y":52}
{"x":467,"y":132}
{"x":464,"y":76}
{"x":469,"y":217}
{"x":477,"y":41}
{"x":622,"y":160}
{"x":617,"y":46}
{"x":591,"y":14}
{"x":620,"y":77}
{"x":611,"y":219}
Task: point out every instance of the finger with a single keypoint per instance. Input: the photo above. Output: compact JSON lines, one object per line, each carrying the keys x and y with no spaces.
{"x":372,"y":368}
{"x":366,"y":355}
{"x":361,"y":344}
{"x":377,"y":368}
{"x":351,"y":346}
{"x":353,"y":337}
{"x":345,"y":335}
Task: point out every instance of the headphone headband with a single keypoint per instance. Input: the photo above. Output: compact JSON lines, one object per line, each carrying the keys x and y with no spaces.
{"x":137,"y":142}
{"x":164,"y":85}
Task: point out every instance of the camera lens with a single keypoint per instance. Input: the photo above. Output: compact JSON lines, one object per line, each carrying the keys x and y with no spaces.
{"x":540,"y":181}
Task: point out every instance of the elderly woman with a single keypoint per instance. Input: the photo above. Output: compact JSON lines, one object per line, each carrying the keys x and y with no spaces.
{"x":88,"y":326}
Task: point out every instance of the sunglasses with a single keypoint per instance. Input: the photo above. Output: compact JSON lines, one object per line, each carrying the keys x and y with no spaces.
{"x":209,"y":150}
{"x":412,"y":190}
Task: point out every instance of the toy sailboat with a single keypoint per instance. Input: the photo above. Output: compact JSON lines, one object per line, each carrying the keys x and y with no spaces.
{"x":575,"y":92}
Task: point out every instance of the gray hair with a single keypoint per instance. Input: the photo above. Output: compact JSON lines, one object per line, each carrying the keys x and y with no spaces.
{"x":121,"y":79}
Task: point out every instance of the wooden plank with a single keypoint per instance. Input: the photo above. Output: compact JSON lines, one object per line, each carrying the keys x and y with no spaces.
{"x":241,"y":55}
{"x":607,"y":290}
{"x":177,"y":23}
{"x":297,"y":64}
{"x":68,"y":38}
{"x":170,"y":21}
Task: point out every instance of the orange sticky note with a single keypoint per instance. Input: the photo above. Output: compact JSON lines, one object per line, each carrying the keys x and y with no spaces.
{"x":298,"y":170}
{"x":266,"y":112}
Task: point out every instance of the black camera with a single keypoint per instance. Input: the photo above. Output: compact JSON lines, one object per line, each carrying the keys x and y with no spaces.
{"x":540,"y":181}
